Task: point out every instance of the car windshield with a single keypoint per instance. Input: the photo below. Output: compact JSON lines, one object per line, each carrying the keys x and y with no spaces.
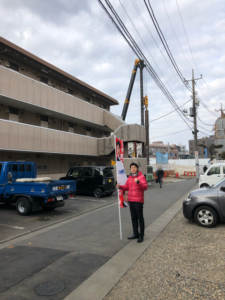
{"x":108,"y":172}
{"x":219,"y":183}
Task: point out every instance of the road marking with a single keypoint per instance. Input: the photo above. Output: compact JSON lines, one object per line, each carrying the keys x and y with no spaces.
{"x":15,"y":227}
{"x":69,"y":210}
{"x":90,"y":200}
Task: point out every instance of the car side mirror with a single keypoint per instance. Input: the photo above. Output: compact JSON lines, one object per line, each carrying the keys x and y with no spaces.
{"x":9,"y":177}
{"x":222,"y":188}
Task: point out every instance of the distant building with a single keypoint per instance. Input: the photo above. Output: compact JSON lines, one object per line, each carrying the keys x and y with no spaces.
{"x":220,"y":133}
{"x":208,"y":141}
{"x":182,"y":151}
{"x":163,"y":148}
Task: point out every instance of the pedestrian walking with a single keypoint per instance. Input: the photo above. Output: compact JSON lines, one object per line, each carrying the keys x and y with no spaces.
{"x":136,"y":185}
{"x":205,"y":168}
{"x":160,"y":174}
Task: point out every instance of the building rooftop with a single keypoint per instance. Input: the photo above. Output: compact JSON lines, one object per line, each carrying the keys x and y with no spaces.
{"x":15,"y":52}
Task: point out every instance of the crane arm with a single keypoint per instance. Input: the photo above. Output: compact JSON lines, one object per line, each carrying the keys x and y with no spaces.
{"x":127,"y":100}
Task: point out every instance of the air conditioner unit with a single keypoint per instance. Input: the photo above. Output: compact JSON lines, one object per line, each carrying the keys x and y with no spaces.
{"x":7,"y":109}
{"x":102,"y":106}
{"x":7,"y":64}
{"x":91,"y":101}
{"x":49,"y":83}
{"x":66,"y":90}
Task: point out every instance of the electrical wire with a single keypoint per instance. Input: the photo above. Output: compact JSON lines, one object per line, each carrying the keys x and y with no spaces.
{"x":190,"y":47}
{"x":148,"y":29}
{"x":131,"y":42}
{"x":169,"y":112}
{"x":147,"y":49}
{"x":203,"y":122}
{"x":170,"y":133}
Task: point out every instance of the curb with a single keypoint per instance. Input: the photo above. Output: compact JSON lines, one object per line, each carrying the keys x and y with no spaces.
{"x":99,"y":284}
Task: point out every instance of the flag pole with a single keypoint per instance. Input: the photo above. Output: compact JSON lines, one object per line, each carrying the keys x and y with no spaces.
{"x":118,"y":192}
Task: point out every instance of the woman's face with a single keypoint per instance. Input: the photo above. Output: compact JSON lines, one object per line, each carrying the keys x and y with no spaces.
{"x":133,"y":169}
{"x":118,"y":150}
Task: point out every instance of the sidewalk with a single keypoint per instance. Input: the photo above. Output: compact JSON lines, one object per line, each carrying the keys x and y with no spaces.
{"x":185,"y":261}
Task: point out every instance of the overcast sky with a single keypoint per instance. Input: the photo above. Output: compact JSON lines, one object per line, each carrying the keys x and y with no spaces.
{"x":79,"y":38}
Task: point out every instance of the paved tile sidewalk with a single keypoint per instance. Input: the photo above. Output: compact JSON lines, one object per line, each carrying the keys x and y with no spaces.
{"x":185,"y":261}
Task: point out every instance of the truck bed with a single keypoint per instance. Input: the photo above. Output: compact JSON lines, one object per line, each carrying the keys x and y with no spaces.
{"x":41,"y":189}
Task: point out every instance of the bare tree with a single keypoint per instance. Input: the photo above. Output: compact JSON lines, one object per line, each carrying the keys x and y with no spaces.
{"x":211,"y":149}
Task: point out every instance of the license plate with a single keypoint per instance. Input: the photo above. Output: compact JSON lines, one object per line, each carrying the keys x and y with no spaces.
{"x":110,"y":180}
{"x":58,"y":198}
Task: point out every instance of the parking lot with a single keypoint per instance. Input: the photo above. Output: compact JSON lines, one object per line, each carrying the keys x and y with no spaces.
{"x":13,"y":225}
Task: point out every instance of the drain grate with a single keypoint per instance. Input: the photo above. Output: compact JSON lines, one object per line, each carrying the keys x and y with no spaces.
{"x":49,"y":288}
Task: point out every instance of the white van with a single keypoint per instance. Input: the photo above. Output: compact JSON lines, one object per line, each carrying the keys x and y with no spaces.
{"x":215,"y":173}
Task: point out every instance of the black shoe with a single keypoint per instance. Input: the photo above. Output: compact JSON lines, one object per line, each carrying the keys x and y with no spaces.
{"x":140,"y":239}
{"x":133,"y":237}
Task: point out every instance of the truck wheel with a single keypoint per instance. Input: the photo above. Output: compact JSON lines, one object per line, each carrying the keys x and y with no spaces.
{"x":23,"y":206}
{"x":98,"y":192}
{"x":206,"y":216}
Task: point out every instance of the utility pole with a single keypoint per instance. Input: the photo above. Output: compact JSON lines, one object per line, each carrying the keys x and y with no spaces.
{"x":194,"y":115}
{"x":141,"y":66}
{"x":146,"y":128}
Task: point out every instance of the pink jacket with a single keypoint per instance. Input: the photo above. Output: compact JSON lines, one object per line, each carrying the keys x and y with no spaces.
{"x":136,"y":190}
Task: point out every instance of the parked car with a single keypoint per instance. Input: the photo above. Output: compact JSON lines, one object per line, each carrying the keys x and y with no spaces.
{"x":206,"y":205}
{"x":214,"y":174}
{"x":98,"y":181}
{"x":19,"y":185}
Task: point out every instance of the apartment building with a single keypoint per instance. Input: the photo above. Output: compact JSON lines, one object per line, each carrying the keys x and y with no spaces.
{"x":207,"y":140}
{"x":55,"y":119}
{"x":220,"y":133}
{"x":163,"y":148}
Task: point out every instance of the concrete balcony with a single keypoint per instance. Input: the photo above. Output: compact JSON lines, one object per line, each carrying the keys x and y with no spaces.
{"x":21,"y":137}
{"x":23,"y":92}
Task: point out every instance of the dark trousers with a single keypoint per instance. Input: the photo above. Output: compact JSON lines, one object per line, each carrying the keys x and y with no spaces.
{"x":136,"y":212}
{"x":160,"y":181}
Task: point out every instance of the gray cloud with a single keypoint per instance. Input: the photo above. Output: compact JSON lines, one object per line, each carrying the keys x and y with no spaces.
{"x":79,"y":38}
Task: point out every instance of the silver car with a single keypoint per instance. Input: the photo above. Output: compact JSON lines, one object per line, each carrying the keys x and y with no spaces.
{"x":206,"y":205}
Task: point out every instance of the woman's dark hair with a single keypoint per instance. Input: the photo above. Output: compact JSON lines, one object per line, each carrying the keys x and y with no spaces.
{"x":118,"y":143}
{"x":133,"y":164}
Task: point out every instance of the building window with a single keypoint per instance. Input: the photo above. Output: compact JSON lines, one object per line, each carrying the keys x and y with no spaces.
{"x":14,"y":66}
{"x":43,"y":79}
{"x":42,"y":167}
{"x":87,"y":99}
{"x":70,"y":91}
{"x":44,"y":121}
{"x":70,"y":124}
{"x":14,"y":111}
{"x":88,"y":128}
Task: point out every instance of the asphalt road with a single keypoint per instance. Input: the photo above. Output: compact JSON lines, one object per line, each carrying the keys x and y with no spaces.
{"x":71,"y":251}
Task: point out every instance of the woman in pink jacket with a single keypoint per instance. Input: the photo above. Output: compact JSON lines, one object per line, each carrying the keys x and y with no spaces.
{"x":136,"y":185}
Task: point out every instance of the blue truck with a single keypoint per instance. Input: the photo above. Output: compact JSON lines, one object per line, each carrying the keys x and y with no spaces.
{"x":19,"y":185}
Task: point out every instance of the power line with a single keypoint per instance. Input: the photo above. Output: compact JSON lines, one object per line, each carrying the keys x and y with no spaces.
{"x":148,"y":29}
{"x":190,"y":47}
{"x":147,"y":48}
{"x":187,"y":37}
{"x":131,"y":42}
{"x":170,"y":133}
{"x":203,"y":122}
{"x":169,"y":112}
{"x":175,"y":34}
